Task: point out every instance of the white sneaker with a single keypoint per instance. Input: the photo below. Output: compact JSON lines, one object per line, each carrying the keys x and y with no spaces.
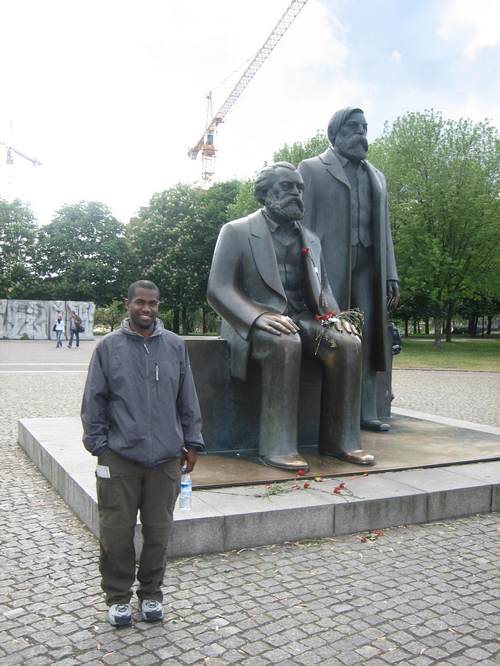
{"x":120,"y":615}
{"x":151,"y":611}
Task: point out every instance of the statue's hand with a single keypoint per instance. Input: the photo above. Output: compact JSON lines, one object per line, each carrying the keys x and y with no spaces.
{"x":392,"y":293}
{"x":275,"y":324}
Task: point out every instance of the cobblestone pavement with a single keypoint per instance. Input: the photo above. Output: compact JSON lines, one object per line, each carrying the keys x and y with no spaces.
{"x":418,"y":595}
{"x":470,"y":396}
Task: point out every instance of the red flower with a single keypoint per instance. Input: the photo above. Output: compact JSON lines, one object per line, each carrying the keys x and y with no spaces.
{"x":337,"y":490}
{"x":307,"y":485}
{"x":304,"y":251}
{"x":342,"y":485}
{"x":301,"y":472}
{"x":317,"y":317}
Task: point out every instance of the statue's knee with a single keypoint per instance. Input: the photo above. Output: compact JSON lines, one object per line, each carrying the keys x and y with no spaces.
{"x":286,"y":346}
{"x":349,"y":346}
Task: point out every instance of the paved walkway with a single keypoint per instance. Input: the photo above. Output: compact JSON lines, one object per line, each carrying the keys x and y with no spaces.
{"x":415,"y":595}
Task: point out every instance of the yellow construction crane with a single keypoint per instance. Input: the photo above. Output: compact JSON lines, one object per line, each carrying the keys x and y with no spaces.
{"x":206,"y":144}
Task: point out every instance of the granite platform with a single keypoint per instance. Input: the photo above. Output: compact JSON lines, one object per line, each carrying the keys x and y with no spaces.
{"x":428,"y":468}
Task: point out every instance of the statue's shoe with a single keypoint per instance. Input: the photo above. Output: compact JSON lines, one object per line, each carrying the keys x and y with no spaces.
{"x":357,"y":457}
{"x":375,"y":425}
{"x":291,"y":462}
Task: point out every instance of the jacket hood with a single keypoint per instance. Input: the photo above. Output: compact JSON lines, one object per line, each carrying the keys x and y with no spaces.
{"x":158,"y":330}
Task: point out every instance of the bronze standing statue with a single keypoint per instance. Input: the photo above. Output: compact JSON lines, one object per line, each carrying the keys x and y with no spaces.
{"x":345,"y":203}
{"x":268,"y":282}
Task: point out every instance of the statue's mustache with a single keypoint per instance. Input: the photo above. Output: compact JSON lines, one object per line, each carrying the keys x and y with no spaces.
{"x":356,"y":140}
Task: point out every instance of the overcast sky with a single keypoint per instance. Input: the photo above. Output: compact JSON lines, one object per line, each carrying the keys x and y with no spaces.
{"x":110,"y":94}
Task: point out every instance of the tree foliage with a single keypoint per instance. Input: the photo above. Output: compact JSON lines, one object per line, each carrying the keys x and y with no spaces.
{"x":83,"y":255}
{"x":173,"y":240}
{"x":18,"y":233}
{"x":299,"y":151}
{"x":443,"y":183}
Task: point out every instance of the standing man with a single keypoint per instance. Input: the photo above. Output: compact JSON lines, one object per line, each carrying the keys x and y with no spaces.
{"x":345,"y":201}
{"x":141,"y":419}
{"x":75,"y":328}
{"x":269,"y":285}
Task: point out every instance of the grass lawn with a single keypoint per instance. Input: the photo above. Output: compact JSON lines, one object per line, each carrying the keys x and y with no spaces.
{"x":460,"y":354}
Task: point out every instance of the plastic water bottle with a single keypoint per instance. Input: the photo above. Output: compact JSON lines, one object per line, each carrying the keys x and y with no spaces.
{"x":186,"y":492}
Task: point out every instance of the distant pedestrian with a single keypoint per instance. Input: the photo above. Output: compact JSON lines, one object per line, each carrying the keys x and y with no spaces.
{"x":76,"y":327}
{"x":141,"y":419}
{"x":58,"y":329}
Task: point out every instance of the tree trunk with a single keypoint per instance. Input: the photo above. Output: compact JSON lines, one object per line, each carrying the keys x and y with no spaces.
{"x":489,"y":324}
{"x":203,"y":321}
{"x":427,"y":326}
{"x":447,"y":328}
{"x":414,"y":327}
{"x":407,"y":332}
{"x":472,"y":327}
{"x":185,"y":322}
{"x":437,"y":332}
{"x":175,"y":323}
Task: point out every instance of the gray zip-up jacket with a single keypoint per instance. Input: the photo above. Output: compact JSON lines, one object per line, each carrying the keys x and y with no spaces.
{"x":139,"y":399}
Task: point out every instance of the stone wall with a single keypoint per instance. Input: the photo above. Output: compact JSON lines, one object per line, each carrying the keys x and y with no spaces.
{"x":33,"y":320}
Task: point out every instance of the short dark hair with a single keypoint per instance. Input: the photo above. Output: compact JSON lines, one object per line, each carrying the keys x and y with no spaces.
{"x":141,"y":284}
{"x":266,"y":178}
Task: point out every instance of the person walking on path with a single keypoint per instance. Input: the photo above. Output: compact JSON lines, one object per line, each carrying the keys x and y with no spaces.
{"x":141,"y":419}
{"x":58,"y":329}
{"x":76,"y":327}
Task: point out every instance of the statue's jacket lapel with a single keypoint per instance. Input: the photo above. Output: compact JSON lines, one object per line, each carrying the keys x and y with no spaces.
{"x":263,"y":254}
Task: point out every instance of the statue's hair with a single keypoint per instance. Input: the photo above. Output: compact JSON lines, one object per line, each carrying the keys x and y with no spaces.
{"x":337,"y":120}
{"x":141,"y":284}
{"x":266,"y":178}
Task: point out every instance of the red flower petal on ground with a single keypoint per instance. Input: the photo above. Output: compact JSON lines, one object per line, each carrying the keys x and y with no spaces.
{"x":304,"y":251}
{"x":364,"y":540}
{"x":342,"y":485}
{"x":307,"y":485}
{"x":301,"y":472}
{"x":336,"y":490}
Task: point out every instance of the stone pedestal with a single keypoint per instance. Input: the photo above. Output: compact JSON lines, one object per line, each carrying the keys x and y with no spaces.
{"x":231,"y":408}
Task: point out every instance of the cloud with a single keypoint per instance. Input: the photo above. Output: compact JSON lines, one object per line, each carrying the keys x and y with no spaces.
{"x":396,"y":56}
{"x":474,"y":25}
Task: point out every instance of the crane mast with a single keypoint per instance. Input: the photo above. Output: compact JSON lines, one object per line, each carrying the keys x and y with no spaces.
{"x":206,"y":144}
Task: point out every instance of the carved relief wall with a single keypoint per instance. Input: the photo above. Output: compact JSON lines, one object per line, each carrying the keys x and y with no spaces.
{"x":33,"y":320}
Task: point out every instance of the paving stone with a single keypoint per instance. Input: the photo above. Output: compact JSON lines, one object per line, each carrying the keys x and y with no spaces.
{"x":289,"y":604}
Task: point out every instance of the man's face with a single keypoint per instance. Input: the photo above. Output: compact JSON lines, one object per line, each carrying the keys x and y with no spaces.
{"x":143,"y":308}
{"x":351,"y":138}
{"x":284,"y":198}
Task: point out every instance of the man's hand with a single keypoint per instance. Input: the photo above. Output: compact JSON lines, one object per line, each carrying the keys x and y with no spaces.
{"x":189,"y":458}
{"x":276,"y":324}
{"x":392,"y":293}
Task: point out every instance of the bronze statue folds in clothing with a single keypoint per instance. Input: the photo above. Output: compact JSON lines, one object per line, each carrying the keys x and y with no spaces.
{"x":268,"y":282}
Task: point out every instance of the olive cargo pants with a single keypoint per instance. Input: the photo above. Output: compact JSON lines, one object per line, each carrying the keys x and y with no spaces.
{"x":123,"y":488}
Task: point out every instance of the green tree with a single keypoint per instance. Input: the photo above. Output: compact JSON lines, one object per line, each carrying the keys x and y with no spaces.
{"x":83,"y":255}
{"x":18,"y":234}
{"x":244,"y":203}
{"x":443,"y":181}
{"x":173,"y":241}
{"x":110,"y":315}
{"x":299,"y":151}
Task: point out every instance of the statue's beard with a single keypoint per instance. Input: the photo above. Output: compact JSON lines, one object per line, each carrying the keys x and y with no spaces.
{"x":288,"y":209}
{"x":354,"y":148}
